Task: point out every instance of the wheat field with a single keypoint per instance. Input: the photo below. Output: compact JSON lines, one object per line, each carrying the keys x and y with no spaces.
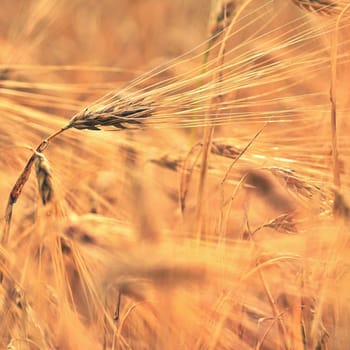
{"x":175,"y":174}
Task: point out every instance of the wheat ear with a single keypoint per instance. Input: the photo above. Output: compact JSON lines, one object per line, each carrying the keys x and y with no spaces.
{"x":322,"y":7}
{"x":118,"y":115}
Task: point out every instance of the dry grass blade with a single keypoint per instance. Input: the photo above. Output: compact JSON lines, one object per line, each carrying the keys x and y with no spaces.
{"x":14,"y":194}
{"x":44,"y":178}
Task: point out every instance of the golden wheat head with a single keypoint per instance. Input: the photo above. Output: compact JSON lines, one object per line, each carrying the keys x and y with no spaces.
{"x":118,"y":115}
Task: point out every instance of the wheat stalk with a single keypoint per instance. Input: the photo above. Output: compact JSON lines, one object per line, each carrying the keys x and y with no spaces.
{"x":223,"y":14}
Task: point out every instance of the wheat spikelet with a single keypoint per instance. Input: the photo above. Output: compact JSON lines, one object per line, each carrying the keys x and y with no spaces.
{"x":44,"y":178}
{"x":284,"y":223}
{"x":120,"y":115}
{"x":295,"y":183}
{"x":225,"y":150}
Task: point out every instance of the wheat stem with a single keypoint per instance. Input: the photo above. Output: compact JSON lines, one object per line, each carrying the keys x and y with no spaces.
{"x":333,"y":99}
{"x":209,"y":131}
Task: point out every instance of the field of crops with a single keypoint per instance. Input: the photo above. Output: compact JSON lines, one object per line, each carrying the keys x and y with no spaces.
{"x":174,"y":174}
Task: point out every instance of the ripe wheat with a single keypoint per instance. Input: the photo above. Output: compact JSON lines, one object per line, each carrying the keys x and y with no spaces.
{"x":261,"y":274}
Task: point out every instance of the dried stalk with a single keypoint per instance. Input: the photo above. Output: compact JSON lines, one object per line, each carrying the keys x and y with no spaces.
{"x":333,"y":99}
{"x":222,"y":15}
{"x":209,"y":131}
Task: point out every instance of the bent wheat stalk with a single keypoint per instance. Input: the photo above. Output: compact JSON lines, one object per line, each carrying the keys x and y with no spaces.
{"x":118,"y":116}
{"x":333,"y":98}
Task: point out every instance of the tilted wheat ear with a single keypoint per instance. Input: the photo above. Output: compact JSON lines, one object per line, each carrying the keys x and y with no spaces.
{"x":120,"y":116}
{"x":120,"y":113}
{"x":324,"y":7}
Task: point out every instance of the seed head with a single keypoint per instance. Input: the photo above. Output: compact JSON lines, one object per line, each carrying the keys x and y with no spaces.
{"x":119,"y":115}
